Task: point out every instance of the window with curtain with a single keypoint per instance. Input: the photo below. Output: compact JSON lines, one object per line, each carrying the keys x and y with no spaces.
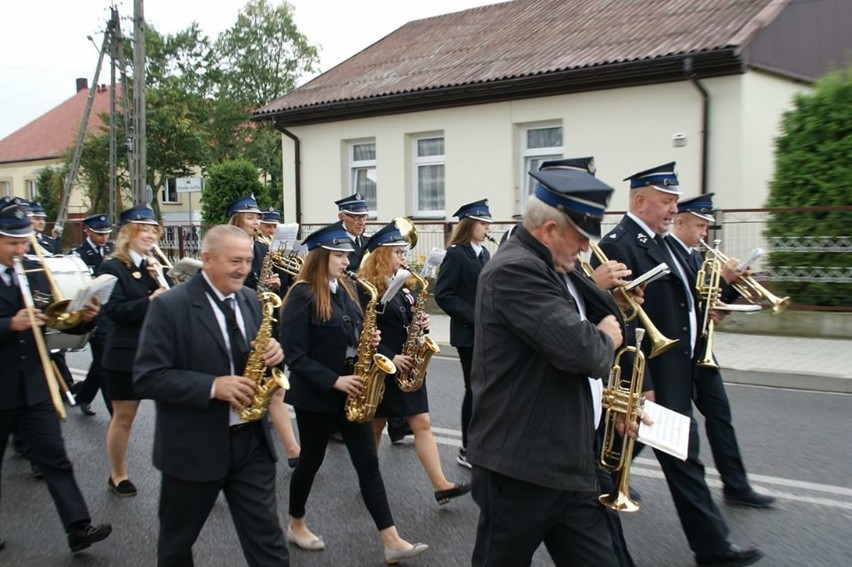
{"x":429,"y":176}
{"x":5,"y":189}
{"x":362,"y":172}
{"x":31,"y":189}
{"x":538,"y":144}
{"x":169,"y":192}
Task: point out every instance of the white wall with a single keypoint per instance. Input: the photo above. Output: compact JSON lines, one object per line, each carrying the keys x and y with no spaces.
{"x":626,"y":130}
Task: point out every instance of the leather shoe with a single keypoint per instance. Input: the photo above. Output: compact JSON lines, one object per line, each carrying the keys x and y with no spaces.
{"x":444,"y":496}
{"x":34,"y":468}
{"x":749,"y":499}
{"x":397,"y":434}
{"x":394,"y":555}
{"x":733,"y":556}
{"x":315,"y":544}
{"x":2,"y":543}
{"x":123,"y":488}
{"x":82,"y":536}
{"x":86,"y":409}
{"x":292,"y":462}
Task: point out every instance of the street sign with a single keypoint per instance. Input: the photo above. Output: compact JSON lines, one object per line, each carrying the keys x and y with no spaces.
{"x":189,"y":184}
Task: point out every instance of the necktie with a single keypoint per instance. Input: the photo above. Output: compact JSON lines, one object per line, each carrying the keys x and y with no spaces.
{"x":9,"y":278}
{"x":239,"y":350}
{"x":100,"y":251}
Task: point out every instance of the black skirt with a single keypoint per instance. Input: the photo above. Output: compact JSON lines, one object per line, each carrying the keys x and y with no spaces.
{"x":120,"y":385}
{"x":397,"y":403}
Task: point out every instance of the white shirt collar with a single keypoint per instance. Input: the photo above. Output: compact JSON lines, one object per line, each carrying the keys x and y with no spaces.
{"x":218,"y":293}
{"x":642,"y":225}
{"x":689,"y":249}
{"x":135,"y":257}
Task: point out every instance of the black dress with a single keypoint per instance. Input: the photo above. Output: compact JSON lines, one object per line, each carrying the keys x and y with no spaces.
{"x":393,"y":322}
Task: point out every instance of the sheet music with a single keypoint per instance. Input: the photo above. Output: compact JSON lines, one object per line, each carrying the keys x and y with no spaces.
{"x":433,"y":260}
{"x":286,"y":234}
{"x":669,"y":432}
{"x":100,"y":287}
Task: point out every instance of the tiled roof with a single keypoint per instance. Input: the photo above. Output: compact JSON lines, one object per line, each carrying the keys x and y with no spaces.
{"x":528,"y":38}
{"x":52,"y":133}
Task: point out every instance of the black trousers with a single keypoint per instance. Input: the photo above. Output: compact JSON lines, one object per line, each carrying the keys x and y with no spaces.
{"x":39,"y":426}
{"x":516,"y":517}
{"x":95,"y":378}
{"x":466,"y":359}
{"x":315,"y":429}
{"x":712,"y":401}
{"x":249,"y":489}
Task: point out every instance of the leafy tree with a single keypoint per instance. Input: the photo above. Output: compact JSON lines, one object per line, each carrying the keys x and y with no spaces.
{"x":225,"y":182}
{"x":812,"y":168}
{"x":49,"y":186}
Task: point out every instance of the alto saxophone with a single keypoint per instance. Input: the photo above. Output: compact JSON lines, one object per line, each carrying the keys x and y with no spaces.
{"x":418,"y":345}
{"x":371,"y":366}
{"x":266,"y":380}
{"x":266,"y":266}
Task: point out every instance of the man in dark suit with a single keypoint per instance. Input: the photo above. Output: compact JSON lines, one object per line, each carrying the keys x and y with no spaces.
{"x":25,"y":399}
{"x":191,"y":358}
{"x":50,"y":244}
{"x":352,"y":214}
{"x":695,"y":215}
{"x":95,"y":247}
{"x":542,"y":337}
{"x":637,"y":241}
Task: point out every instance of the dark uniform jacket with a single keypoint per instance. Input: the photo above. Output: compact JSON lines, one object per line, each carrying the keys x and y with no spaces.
{"x":181,"y":351}
{"x":22,"y":382}
{"x":90,"y":255}
{"x":315,"y":351}
{"x":455,"y":290}
{"x":49,"y":244}
{"x":532,"y":406}
{"x":668,"y":308}
{"x":126,"y":309}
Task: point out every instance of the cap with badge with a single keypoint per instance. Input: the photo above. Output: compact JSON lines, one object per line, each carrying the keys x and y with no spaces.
{"x":478,"y":210}
{"x":98,"y":223}
{"x":14,"y":219}
{"x":388,"y":235}
{"x":140,"y":214}
{"x":270,"y":216}
{"x":662,"y":178}
{"x":700,"y":206}
{"x":242,"y":205}
{"x":352,"y":205}
{"x":570,"y":186}
{"x":36,"y":210}
{"x":332,"y":237}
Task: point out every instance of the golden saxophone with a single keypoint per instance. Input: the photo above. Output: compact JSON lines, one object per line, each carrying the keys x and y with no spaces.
{"x":371,"y":366}
{"x":266,"y":380}
{"x":418,"y":345}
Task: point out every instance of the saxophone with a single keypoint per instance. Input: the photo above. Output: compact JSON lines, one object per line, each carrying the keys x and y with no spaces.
{"x":266,"y":267}
{"x":418,"y":345}
{"x":371,"y":366}
{"x":265,"y":384}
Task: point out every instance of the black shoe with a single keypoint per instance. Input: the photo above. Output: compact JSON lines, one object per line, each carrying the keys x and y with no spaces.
{"x":2,"y":543}
{"x":124,"y":488}
{"x":81,"y":537}
{"x":86,"y":408}
{"x":444,"y":496}
{"x":397,"y":434}
{"x":749,"y":499}
{"x":36,"y":471}
{"x":292,"y":462}
{"x":733,"y":556}
{"x":634,"y":494}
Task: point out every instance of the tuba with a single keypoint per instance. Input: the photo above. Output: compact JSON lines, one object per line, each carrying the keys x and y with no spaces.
{"x":659,"y":342}
{"x":266,"y":380}
{"x":372,"y":367}
{"x":749,"y":287}
{"x":622,"y":397}
{"x":708,"y":287}
{"x":418,"y":345}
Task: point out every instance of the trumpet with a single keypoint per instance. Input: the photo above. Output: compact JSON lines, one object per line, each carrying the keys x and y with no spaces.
{"x":748,"y":287}
{"x":659,"y":342}
{"x":160,"y":264}
{"x":57,"y":313}
{"x":708,"y":287}
{"x":622,"y":398}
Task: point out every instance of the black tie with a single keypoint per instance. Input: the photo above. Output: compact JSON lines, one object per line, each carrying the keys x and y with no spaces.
{"x":100,"y":251}
{"x":10,"y":273}
{"x":239,"y":349}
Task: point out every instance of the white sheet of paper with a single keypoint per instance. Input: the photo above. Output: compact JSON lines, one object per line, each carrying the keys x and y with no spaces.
{"x":669,"y":433}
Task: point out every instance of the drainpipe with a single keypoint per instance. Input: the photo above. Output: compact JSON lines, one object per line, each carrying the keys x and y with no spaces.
{"x":705,"y":120}
{"x":297,"y":163}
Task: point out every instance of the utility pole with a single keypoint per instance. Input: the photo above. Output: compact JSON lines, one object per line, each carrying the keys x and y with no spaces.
{"x":140,"y":163}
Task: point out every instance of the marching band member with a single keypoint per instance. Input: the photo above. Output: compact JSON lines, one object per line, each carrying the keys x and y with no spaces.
{"x":269,"y":220}
{"x":245,"y":215}
{"x":50,"y":244}
{"x":540,"y":339}
{"x":25,"y":400}
{"x":320,"y":327}
{"x":352,"y":216}
{"x":92,"y":251}
{"x":455,"y":293}
{"x":128,"y":304}
{"x":637,"y":241}
{"x":694,"y":217}
{"x":386,"y":256}
{"x":192,"y":355}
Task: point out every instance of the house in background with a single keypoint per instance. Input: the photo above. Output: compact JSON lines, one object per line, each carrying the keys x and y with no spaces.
{"x":453,"y":108}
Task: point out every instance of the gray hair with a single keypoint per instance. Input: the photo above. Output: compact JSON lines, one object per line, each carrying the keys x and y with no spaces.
{"x":538,"y":212}
{"x":216,"y":236}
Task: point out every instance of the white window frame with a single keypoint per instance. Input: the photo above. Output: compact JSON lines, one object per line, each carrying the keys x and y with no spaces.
{"x":164,"y":192}
{"x":31,"y":189}
{"x":531,"y":158}
{"x":5,"y":188}
{"x":368,"y":165}
{"x":418,"y":162}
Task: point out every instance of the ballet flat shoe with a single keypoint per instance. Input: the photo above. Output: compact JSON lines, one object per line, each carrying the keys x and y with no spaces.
{"x":394,"y":555}
{"x":315,"y":544}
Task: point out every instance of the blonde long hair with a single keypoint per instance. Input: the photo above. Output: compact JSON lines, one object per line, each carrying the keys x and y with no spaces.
{"x":122,"y":242}
{"x":315,"y":274}
{"x":376,"y":269}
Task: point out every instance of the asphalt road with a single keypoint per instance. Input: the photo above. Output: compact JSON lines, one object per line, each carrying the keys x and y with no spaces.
{"x":794,"y":442}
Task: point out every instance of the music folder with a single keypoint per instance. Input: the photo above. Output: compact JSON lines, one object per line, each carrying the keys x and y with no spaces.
{"x":654,"y":273}
{"x":669,"y":433}
{"x":100,"y":287}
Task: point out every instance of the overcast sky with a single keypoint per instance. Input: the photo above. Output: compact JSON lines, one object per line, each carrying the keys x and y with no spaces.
{"x":43,"y":47}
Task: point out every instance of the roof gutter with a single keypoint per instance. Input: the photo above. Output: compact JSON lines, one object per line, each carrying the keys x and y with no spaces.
{"x":705,"y":120}
{"x":297,"y":167}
